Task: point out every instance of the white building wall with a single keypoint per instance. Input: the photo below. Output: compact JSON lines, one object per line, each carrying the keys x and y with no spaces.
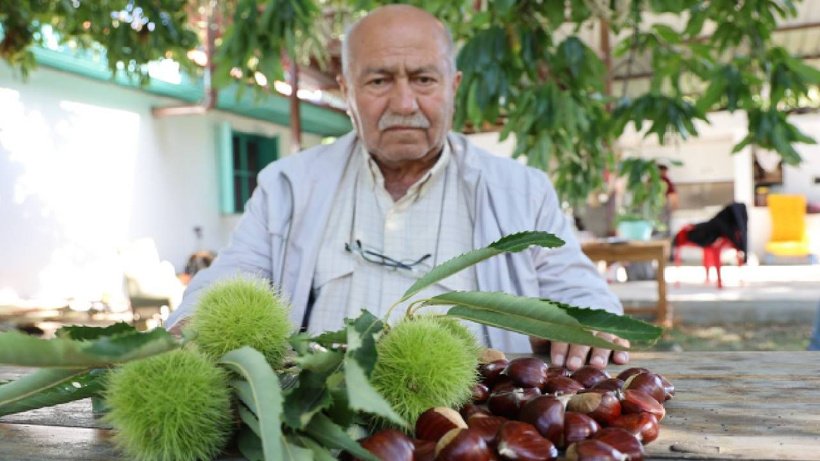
{"x":85,"y":169}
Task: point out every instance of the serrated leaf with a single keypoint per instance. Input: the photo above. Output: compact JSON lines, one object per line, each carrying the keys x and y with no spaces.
{"x":265,"y":393}
{"x":623,"y":326}
{"x":27,"y":351}
{"x":329,"y":434}
{"x":362,"y":345}
{"x":517,"y":306}
{"x":56,"y":386}
{"x":80,"y":332}
{"x":509,"y":244}
{"x":309,"y":397}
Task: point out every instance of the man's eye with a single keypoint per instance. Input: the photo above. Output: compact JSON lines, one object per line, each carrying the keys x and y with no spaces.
{"x":377,"y":82}
{"x":424,"y":80}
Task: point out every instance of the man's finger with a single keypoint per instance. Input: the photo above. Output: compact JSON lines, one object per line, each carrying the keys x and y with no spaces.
{"x":577,"y":356}
{"x":558,"y":354}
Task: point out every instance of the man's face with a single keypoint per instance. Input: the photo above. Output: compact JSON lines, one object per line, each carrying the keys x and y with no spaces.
{"x":400,"y":89}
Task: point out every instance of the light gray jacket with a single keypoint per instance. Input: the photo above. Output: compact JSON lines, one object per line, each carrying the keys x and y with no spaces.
{"x":280,"y":232}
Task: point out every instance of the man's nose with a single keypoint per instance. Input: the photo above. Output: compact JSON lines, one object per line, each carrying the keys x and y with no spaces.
{"x":403,"y":100}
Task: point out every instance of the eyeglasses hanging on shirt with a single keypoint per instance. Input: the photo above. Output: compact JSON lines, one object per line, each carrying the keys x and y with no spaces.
{"x":382,"y":259}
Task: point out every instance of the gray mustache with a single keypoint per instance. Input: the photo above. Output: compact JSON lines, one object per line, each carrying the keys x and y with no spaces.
{"x":411,"y":121}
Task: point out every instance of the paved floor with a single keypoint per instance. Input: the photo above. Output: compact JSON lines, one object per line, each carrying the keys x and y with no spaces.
{"x":764,"y":294}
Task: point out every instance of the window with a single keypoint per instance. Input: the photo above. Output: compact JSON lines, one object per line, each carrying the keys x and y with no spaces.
{"x":244,"y":156}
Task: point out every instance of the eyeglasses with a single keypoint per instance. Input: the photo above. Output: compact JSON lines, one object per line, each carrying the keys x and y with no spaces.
{"x":383,"y":260}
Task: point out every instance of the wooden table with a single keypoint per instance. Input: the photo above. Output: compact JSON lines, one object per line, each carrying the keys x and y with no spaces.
{"x":635,"y":251}
{"x":728,"y":406}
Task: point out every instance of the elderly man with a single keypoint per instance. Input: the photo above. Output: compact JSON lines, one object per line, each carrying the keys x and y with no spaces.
{"x":351,"y":225}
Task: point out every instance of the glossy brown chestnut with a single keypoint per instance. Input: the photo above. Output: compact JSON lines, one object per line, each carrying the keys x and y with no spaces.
{"x":508,"y":403}
{"x":644,"y":426}
{"x":390,"y":445}
{"x":589,"y":450}
{"x":463,"y":445}
{"x":558,"y":371}
{"x":527,"y":372}
{"x":621,"y":440}
{"x":492,"y":371}
{"x":435,"y":422}
{"x":546,"y":414}
{"x":521,"y":442}
{"x":480,"y":392}
{"x":486,"y":426}
{"x":648,"y":382}
{"x":610,"y":384}
{"x":560,"y":385}
{"x":470,"y":409}
{"x":668,"y":387}
{"x":589,"y":376}
{"x":631,"y":371}
{"x":578,"y":426}
{"x":635,"y":401}
{"x":425,"y":450}
{"x":602,"y":406}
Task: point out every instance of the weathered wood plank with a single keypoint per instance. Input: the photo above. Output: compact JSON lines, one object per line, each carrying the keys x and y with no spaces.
{"x":23,"y":442}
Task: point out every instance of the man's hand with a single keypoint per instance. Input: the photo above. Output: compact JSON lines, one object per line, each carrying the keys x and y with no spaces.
{"x":574,"y":356}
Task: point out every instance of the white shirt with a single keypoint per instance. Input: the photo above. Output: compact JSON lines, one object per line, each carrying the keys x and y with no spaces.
{"x":431,"y":218}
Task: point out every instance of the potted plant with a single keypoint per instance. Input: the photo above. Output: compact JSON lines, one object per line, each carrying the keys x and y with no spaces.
{"x":644,"y":199}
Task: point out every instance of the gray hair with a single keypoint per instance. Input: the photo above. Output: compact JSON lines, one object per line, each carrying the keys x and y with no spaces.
{"x":450,"y":44}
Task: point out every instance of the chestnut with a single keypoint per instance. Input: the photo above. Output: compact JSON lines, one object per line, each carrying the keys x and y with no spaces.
{"x":631,"y":371}
{"x":546,"y":414}
{"x":470,"y":409}
{"x":610,"y":384}
{"x":578,"y":426}
{"x":621,"y":440}
{"x":522,"y":442}
{"x":480,"y":392}
{"x":648,"y":382}
{"x":486,"y":426}
{"x":491,"y":355}
{"x":389,"y":445}
{"x":435,"y":422}
{"x":644,"y":426}
{"x":588,"y":450}
{"x":508,"y":403}
{"x":558,"y":371}
{"x":635,"y":401}
{"x":560,"y":385}
{"x":425,"y":450}
{"x":589,"y":376}
{"x":668,"y":387}
{"x":492,"y":371}
{"x":463,"y":445}
{"x":602,"y":406}
{"x":527,"y":372}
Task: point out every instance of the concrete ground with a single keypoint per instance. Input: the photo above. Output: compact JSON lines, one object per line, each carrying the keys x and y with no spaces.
{"x":750,"y":294}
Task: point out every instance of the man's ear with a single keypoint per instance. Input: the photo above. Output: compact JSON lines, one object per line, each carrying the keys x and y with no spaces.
{"x":340,"y":79}
{"x":456,"y":81}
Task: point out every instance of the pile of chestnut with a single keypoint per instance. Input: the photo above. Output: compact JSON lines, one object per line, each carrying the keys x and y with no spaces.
{"x":524,"y":410}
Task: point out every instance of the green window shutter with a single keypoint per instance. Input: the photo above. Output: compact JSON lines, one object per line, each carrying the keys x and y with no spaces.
{"x":241,"y":157}
{"x":225,"y":168}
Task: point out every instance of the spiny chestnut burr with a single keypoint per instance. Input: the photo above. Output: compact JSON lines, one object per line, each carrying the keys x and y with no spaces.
{"x":508,"y":403}
{"x":527,"y":372}
{"x":621,"y":440}
{"x":492,"y":371}
{"x":578,"y":426}
{"x":603,"y":406}
{"x":560,"y":385}
{"x":610,"y":384}
{"x":644,"y":426}
{"x":593,"y":450}
{"x":425,"y":450}
{"x":480,"y":392}
{"x":631,"y":371}
{"x":390,"y":445}
{"x":463,"y":445}
{"x":546,"y":414}
{"x":521,"y":442}
{"x":648,"y":382}
{"x":635,"y":401}
{"x":435,"y":422}
{"x":486,"y":426}
{"x":589,"y":376}
{"x":470,"y":409}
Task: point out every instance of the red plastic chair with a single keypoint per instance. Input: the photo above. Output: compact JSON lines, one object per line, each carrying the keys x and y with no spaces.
{"x":711,"y":253}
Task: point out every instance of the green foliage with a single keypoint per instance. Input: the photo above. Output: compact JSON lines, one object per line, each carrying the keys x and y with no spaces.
{"x":421,"y":364}
{"x":173,"y":406}
{"x":242,"y":311}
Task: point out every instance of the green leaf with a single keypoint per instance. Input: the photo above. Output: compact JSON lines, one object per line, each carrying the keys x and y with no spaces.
{"x":43,"y":388}
{"x":249,"y":445}
{"x":310,"y":396}
{"x":509,"y":244}
{"x":80,"y":332}
{"x":266,"y":395}
{"x":295,"y":452}
{"x":27,"y":351}
{"x":320,"y":453}
{"x":362,"y":345}
{"x":517,"y":307}
{"x":329,"y":434}
{"x":623,"y":326}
